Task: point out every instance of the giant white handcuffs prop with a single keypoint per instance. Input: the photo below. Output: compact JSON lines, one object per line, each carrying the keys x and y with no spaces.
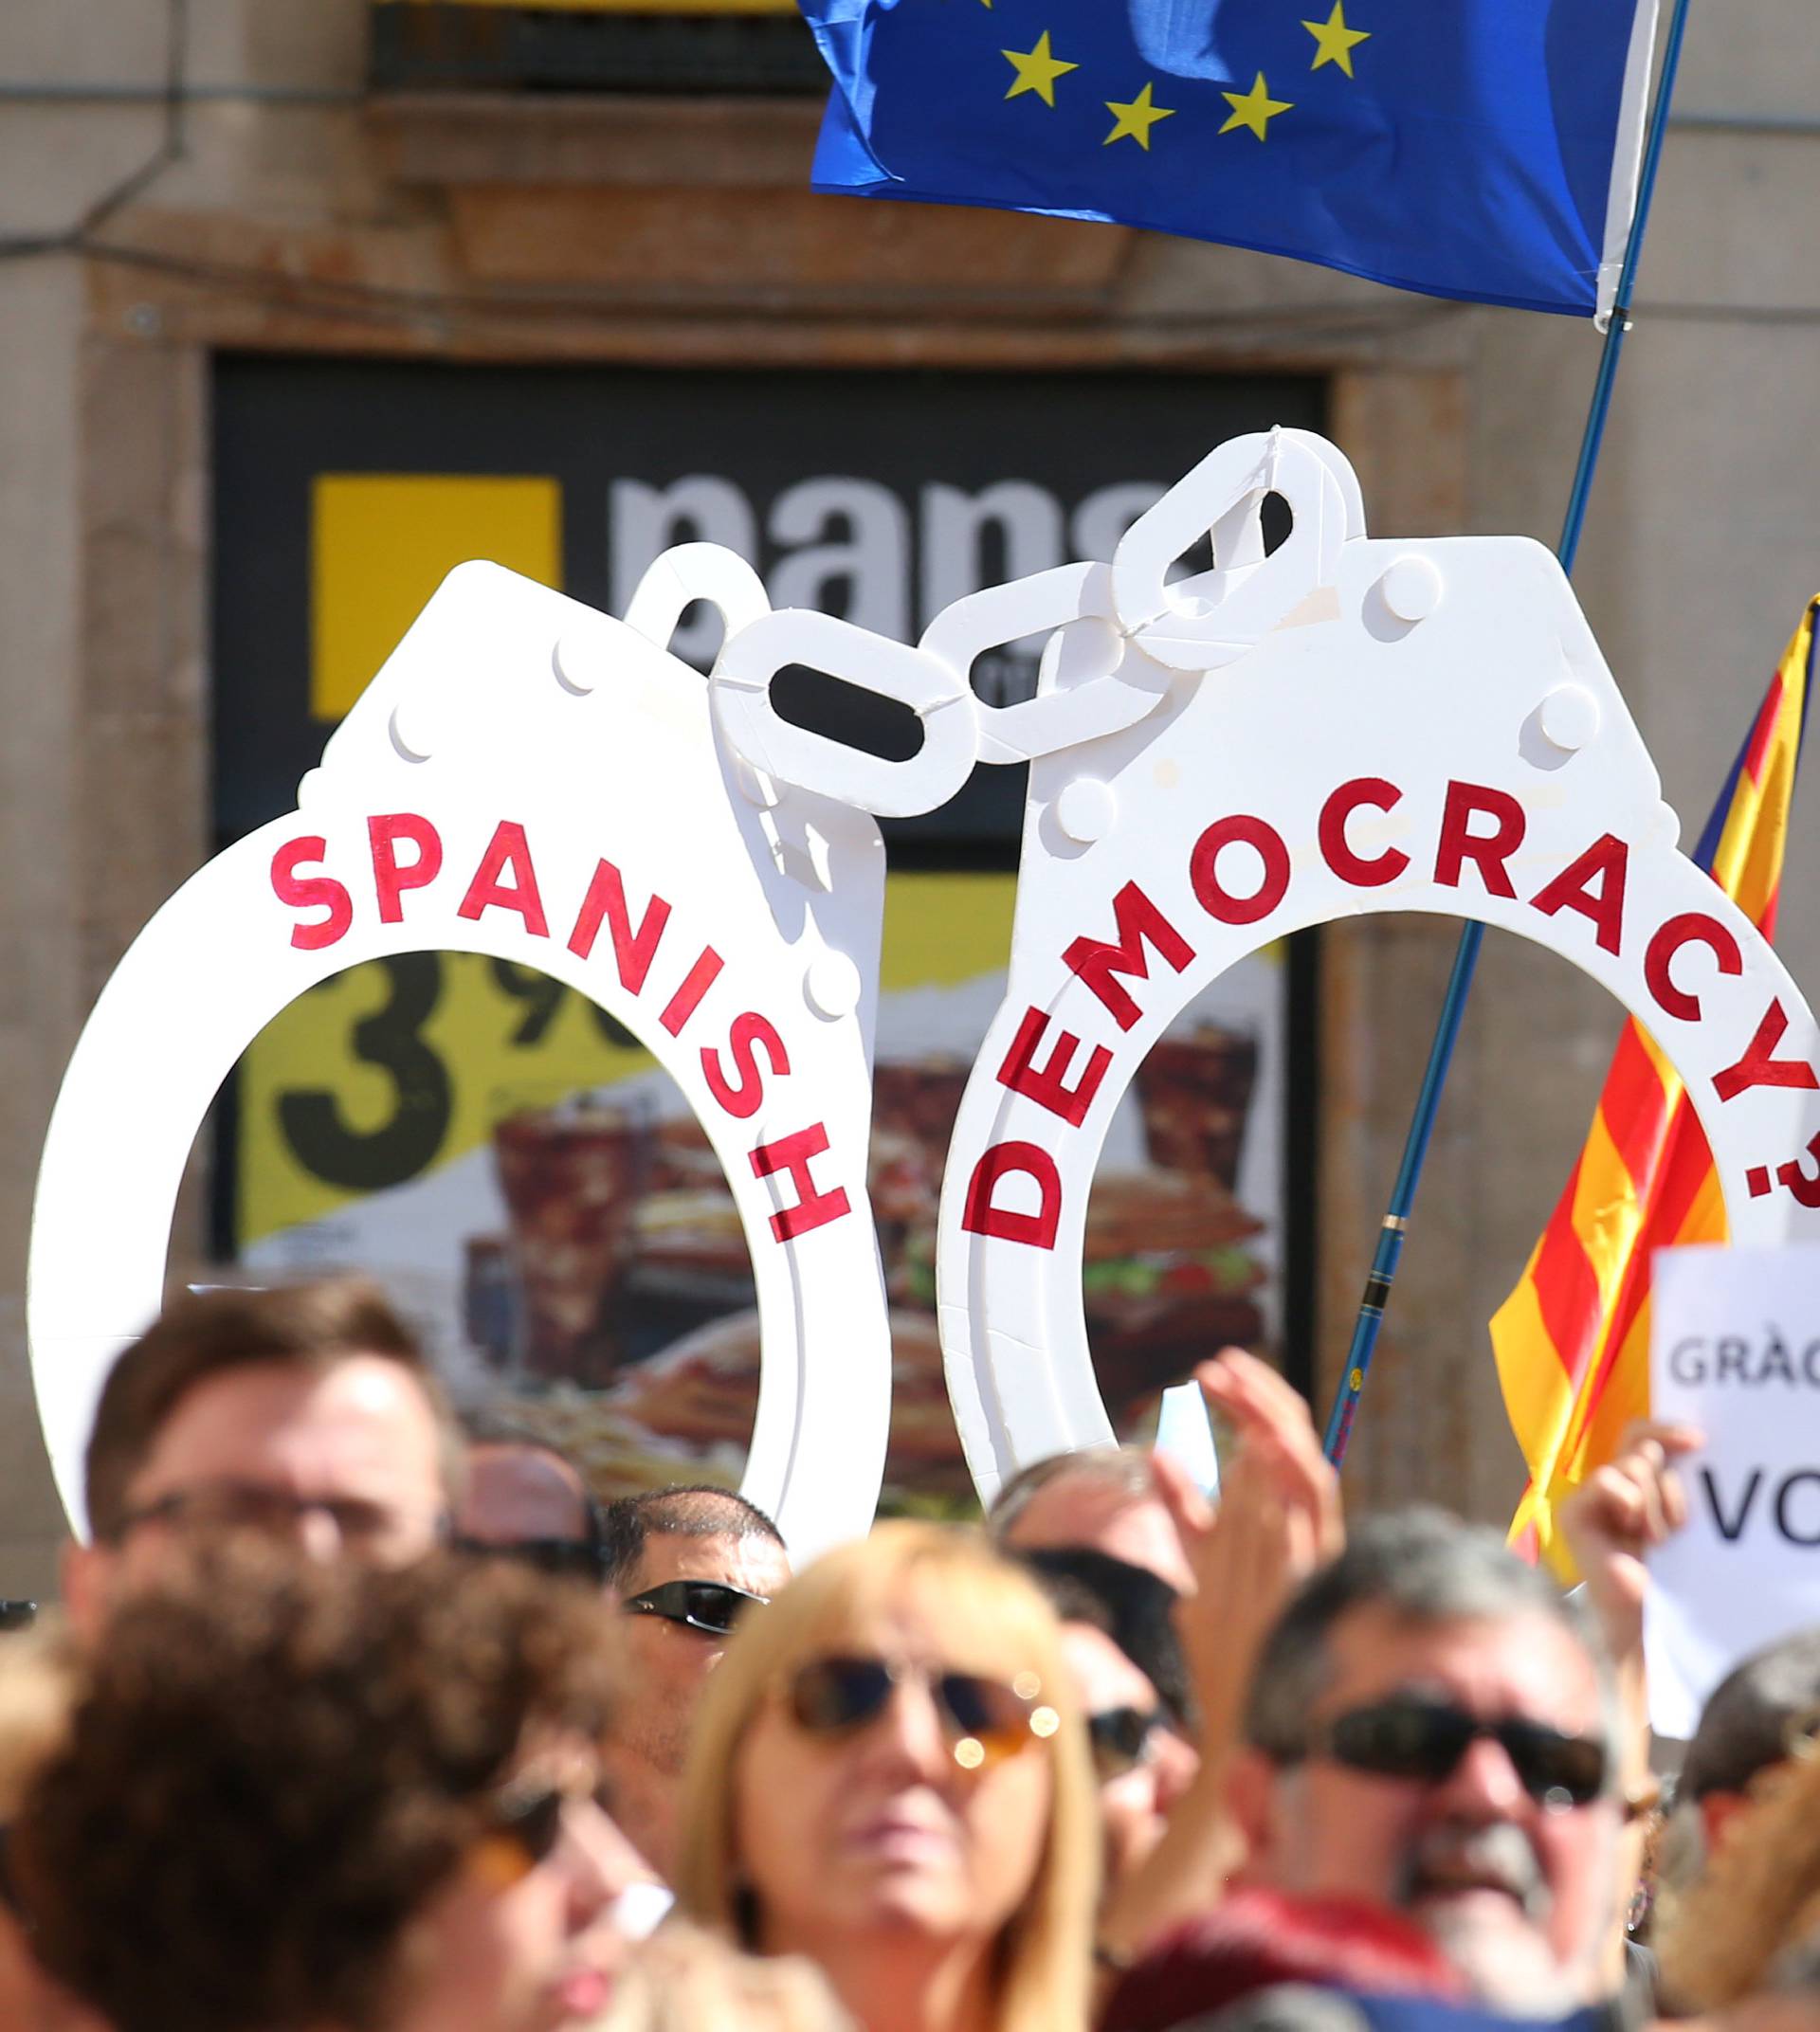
{"x":528,"y":778}
{"x":1380,"y":726}
{"x":1340,"y":726}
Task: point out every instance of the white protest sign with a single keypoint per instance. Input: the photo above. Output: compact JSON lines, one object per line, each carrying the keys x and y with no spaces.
{"x":1735,"y":1349}
{"x":1334,"y":727}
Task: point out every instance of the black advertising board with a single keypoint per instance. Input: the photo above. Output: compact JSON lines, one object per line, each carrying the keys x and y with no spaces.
{"x":416,"y":1117}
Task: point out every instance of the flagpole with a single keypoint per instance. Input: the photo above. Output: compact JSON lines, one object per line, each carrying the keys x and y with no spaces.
{"x":1394,"y":1229}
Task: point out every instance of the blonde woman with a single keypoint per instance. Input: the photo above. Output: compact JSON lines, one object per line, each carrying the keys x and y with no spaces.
{"x":888,"y":1777}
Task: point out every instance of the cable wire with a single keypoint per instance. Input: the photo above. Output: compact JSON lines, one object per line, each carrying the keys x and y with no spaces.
{"x":74,"y":237}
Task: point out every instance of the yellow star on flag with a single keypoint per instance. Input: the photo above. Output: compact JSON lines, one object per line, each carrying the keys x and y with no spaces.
{"x":1333,"y":41}
{"x":1037,"y":69}
{"x":1254,"y":109}
{"x":1136,"y":118}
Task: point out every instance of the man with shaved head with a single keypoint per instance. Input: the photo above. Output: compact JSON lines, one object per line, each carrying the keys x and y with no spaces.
{"x":683,"y":1565}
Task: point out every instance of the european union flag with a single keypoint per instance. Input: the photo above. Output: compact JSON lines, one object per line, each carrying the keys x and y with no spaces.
{"x":1480,"y":148}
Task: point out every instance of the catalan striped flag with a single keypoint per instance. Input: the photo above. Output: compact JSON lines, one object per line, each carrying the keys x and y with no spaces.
{"x":1572,"y":1339}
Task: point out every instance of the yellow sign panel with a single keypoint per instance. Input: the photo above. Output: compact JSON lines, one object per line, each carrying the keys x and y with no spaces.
{"x":397,"y":1067}
{"x":381,"y":543}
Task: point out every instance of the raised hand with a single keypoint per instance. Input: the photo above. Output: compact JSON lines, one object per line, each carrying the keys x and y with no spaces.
{"x":1279,"y":1518}
{"x":1609,"y":1522}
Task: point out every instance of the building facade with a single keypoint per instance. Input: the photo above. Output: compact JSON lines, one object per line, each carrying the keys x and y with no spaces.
{"x":232,"y":228}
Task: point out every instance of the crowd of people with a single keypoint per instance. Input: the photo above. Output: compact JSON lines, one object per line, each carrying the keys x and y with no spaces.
{"x":358,"y":1719}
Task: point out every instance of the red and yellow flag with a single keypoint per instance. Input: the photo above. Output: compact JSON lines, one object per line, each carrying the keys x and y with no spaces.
{"x":1572,"y":1339}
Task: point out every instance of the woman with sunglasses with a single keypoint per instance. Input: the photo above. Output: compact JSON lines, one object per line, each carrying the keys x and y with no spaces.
{"x":1142,"y":1762}
{"x":356,"y":1801}
{"x":890,"y":1776}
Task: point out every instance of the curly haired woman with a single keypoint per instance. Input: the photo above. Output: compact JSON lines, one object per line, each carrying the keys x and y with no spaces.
{"x":294,"y":1795}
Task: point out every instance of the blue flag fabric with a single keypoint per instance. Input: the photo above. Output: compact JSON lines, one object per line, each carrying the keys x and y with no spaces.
{"x":1463,"y":148}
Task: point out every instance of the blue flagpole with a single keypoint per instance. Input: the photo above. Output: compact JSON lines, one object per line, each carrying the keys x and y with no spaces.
{"x":1394,"y":1226}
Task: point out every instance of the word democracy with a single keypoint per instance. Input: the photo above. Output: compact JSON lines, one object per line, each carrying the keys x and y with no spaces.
{"x":1481,"y":826}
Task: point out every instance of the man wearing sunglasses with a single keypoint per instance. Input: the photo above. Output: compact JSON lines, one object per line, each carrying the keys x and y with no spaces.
{"x":683,"y":1565}
{"x":1432,"y":1729}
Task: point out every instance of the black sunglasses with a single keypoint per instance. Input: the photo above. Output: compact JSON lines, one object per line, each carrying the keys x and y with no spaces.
{"x":565,"y":1558}
{"x":1121,"y":1738}
{"x":983,"y":1720}
{"x":709,"y":1607}
{"x":1425,"y":1739}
